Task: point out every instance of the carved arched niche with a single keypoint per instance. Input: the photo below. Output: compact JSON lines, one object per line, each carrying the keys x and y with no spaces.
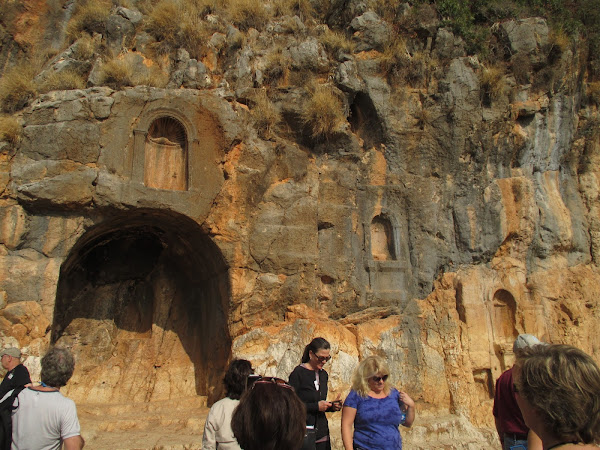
{"x":383,"y":243}
{"x":504,"y":331}
{"x":165,"y":155}
{"x":386,"y":265}
{"x":503,"y":317}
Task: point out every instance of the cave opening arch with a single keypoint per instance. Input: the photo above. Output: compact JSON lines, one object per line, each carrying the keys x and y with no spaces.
{"x":142,"y":300}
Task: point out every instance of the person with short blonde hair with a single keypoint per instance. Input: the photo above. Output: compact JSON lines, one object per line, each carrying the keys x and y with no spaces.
{"x":558,"y":392}
{"x":375,"y":409}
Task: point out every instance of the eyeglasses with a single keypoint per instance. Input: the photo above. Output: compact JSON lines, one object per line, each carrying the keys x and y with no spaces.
{"x":272,"y":380}
{"x":378,"y":379}
{"x":322,"y":359}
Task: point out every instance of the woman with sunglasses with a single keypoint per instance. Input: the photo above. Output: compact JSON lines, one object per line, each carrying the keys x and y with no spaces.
{"x":309,"y":380}
{"x":217,"y":429}
{"x":375,"y":409}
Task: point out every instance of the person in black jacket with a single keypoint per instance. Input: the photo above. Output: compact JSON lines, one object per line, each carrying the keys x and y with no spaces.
{"x":17,"y":374}
{"x":309,"y":380}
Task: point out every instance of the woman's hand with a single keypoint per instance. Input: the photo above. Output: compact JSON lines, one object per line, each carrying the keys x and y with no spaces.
{"x":324,"y":405}
{"x":407,"y":400}
{"x":410,"y":411}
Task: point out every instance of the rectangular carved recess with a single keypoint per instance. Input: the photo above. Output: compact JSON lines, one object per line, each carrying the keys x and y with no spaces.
{"x":165,"y":166}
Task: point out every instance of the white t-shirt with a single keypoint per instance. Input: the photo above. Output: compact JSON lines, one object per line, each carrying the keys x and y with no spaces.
{"x":42,"y":420}
{"x":217,"y":429}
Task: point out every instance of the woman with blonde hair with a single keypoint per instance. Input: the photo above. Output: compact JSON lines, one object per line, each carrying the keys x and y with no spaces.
{"x":375,"y":409}
{"x":558,"y":391}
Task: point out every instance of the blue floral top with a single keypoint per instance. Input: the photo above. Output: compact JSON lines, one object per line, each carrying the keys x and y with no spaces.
{"x":377,"y":421}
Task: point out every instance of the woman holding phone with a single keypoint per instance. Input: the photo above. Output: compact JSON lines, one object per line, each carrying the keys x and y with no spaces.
{"x":375,"y":409}
{"x":309,"y":380}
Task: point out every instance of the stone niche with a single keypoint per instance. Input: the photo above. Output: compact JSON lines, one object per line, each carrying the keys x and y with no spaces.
{"x":165,"y":155}
{"x":170,"y":161}
{"x":142,"y":300}
{"x":386,"y":249}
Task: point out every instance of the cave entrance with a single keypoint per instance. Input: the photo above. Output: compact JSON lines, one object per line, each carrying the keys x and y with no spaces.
{"x":142,"y":302}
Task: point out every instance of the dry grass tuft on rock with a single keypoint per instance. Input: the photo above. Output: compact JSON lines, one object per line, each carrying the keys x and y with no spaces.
{"x":335,"y":41}
{"x":85,"y":48}
{"x":265,"y":114}
{"x":323,"y":113}
{"x":17,"y":88}
{"x":178,"y":24}
{"x":65,"y":80}
{"x":10,"y":129}
{"x":248,"y":14}
{"x":394,"y":57}
{"x":118,"y":73}
{"x":493,"y":85}
{"x":277,"y":65}
{"x":301,"y":8}
{"x":89,"y":17}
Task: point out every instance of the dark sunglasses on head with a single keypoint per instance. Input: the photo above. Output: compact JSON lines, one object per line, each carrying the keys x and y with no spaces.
{"x":378,"y":379}
{"x":271,"y":380}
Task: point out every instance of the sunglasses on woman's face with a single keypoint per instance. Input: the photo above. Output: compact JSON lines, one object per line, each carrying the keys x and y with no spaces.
{"x":322,"y":359}
{"x":272,"y":380}
{"x":378,"y":379}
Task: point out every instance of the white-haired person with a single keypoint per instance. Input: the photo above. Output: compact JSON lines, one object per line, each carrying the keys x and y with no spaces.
{"x":374,"y":410}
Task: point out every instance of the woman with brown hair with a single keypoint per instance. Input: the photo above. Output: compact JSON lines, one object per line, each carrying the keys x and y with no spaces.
{"x":558,"y":391}
{"x":270,"y":416}
{"x":309,"y":380}
{"x":375,"y":409}
{"x":217,"y":429}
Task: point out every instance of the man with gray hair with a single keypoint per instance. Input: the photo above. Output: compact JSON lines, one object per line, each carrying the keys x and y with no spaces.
{"x":17,"y":374}
{"x":512,"y":431}
{"x":44,"y":418}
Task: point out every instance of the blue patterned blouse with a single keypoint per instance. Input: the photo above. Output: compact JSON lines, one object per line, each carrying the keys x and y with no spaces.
{"x":377,"y":421}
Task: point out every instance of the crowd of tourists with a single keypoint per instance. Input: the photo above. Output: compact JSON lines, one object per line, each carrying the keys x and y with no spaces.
{"x":550,"y":399}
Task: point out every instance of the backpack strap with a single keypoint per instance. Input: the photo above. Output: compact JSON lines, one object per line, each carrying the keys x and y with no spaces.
{"x":15,"y":393}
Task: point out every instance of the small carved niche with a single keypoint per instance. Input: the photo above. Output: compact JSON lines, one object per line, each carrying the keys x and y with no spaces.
{"x":504,"y":316}
{"x":165,"y":155}
{"x":382,"y":239}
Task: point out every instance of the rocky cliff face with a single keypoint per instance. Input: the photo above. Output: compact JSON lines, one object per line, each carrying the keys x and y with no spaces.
{"x":158,"y":232}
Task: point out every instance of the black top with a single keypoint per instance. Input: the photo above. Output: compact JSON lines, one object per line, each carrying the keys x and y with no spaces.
{"x":303,"y":382}
{"x":19,"y":376}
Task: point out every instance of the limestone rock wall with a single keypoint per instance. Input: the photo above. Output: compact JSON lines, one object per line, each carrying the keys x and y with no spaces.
{"x":158,"y":233}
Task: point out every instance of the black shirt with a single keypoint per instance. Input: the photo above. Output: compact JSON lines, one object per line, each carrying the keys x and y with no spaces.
{"x":19,"y":376}
{"x":303,"y":382}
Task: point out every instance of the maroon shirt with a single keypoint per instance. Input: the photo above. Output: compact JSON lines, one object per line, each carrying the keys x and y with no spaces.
{"x":506,"y":409}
